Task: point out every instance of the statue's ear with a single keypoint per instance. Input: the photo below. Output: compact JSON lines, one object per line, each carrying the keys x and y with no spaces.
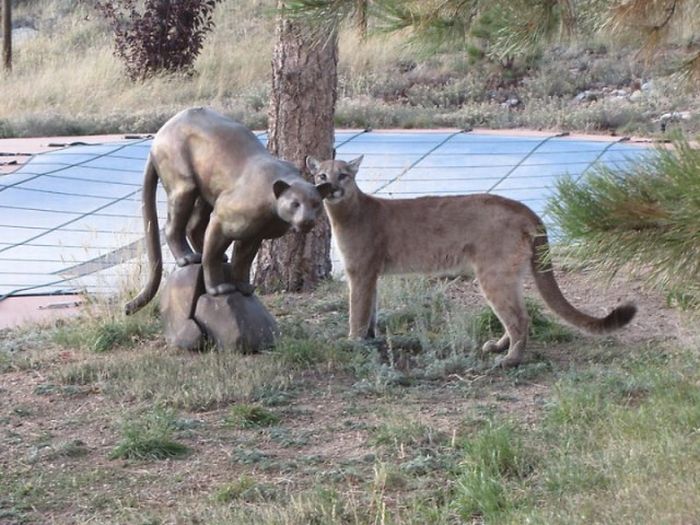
{"x":279,"y":187}
{"x":325,"y":189}
{"x":354,"y":165}
{"x":312,"y":165}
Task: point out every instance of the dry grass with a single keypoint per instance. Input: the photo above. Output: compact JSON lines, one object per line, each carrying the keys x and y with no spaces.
{"x":66,"y":81}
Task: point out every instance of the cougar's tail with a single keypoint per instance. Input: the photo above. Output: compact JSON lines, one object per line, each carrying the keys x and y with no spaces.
{"x":550,"y":292}
{"x":150,"y":224}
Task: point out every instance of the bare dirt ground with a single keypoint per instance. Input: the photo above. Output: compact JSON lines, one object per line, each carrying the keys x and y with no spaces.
{"x":330,"y":432}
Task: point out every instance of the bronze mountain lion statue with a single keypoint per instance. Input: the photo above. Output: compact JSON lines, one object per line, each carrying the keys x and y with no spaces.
{"x":222,"y":186}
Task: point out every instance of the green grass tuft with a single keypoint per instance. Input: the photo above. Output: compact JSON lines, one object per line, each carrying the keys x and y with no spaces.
{"x":492,"y":458}
{"x":102,"y":333}
{"x":149,"y":437}
{"x":244,"y":489}
{"x":250,"y":416}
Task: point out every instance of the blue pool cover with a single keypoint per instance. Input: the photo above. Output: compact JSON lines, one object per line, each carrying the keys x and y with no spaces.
{"x":70,"y":220}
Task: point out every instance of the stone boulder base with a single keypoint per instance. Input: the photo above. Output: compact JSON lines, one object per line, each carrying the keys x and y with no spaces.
{"x":191,"y":317}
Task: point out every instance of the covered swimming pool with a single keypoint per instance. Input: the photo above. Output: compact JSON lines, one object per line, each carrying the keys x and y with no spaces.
{"x":70,"y":219}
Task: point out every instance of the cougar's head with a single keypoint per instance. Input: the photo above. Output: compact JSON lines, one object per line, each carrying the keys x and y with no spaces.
{"x":339,"y":173}
{"x":299,"y":203}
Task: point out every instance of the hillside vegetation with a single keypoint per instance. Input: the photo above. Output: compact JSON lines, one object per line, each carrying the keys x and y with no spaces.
{"x":66,"y":80}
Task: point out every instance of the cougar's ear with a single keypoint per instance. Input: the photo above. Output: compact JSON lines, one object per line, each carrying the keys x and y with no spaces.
{"x":279,"y":187}
{"x":312,"y":165}
{"x":325,"y":189}
{"x":354,"y":165}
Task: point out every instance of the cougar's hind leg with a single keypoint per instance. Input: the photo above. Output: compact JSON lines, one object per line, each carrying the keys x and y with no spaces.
{"x":363,"y":289}
{"x":180,"y":206}
{"x":243,"y":254}
{"x":497,"y":346}
{"x":197,"y":224}
{"x":504,"y":295}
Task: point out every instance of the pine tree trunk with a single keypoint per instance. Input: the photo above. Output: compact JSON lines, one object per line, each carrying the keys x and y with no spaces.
{"x":361,"y":20}
{"x":302,"y":105}
{"x":7,"y":34}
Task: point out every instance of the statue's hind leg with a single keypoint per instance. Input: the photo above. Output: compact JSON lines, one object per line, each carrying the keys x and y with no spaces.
{"x":197,"y":224}
{"x":180,"y":205}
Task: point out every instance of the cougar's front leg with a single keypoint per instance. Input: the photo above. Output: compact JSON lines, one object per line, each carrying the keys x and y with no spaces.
{"x":243,"y":254}
{"x":215,"y":244}
{"x":363,"y":291}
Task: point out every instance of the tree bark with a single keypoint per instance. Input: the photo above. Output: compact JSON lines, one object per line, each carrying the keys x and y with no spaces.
{"x":7,"y":35}
{"x":361,"y":20}
{"x":302,"y":105}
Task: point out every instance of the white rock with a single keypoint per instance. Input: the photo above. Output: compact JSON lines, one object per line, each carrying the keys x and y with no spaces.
{"x":22,"y":34}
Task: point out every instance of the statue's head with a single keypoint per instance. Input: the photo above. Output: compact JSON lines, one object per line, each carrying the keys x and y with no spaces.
{"x":299,"y":203}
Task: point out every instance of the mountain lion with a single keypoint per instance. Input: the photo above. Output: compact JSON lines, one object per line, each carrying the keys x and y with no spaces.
{"x":501,"y":239}
{"x":222,"y":186}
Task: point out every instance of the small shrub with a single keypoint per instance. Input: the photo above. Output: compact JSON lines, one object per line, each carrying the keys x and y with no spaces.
{"x":166,"y":36}
{"x":251,"y":416}
{"x":149,"y":437}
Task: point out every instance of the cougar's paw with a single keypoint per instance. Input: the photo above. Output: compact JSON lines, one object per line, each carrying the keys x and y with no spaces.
{"x":190,"y":258}
{"x":244,"y":287}
{"x":492,"y":347}
{"x":507,"y":362}
{"x":221,"y":289}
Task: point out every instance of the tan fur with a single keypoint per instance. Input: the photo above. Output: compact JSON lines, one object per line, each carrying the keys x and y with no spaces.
{"x":499,"y":239}
{"x":222,"y":186}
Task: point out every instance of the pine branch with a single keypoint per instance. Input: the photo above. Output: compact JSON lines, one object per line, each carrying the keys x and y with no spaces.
{"x":645,"y":218}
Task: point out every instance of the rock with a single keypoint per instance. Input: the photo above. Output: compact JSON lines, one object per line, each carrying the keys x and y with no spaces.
{"x":587,"y":96}
{"x":620,"y":93}
{"x":511,"y":102}
{"x":178,"y":300}
{"x":191,"y":317}
{"x":22,"y":34}
{"x":235,"y":321}
{"x":636,"y":96}
{"x":674,"y":116}
{"x":648,"y":86}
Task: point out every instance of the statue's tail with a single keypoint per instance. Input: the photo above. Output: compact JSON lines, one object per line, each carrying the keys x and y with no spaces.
{"x":552,"y":295}
{"x":150,"y":223}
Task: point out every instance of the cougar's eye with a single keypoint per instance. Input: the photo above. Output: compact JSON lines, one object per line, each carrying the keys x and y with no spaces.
{"x":294,"y":205}
{"x":322,"y":176}
{"x":342,"y":176}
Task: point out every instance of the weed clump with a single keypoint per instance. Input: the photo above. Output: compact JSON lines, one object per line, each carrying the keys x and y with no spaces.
{"x":150,"y":437}
{"x":250,"y":416}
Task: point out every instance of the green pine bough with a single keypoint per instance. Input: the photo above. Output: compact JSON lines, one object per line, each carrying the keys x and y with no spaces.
{"x":644,"y":218}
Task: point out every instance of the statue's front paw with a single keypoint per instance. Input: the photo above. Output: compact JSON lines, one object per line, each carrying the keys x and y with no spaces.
{"x":190,"y":258}
{"x":221,"y":289}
